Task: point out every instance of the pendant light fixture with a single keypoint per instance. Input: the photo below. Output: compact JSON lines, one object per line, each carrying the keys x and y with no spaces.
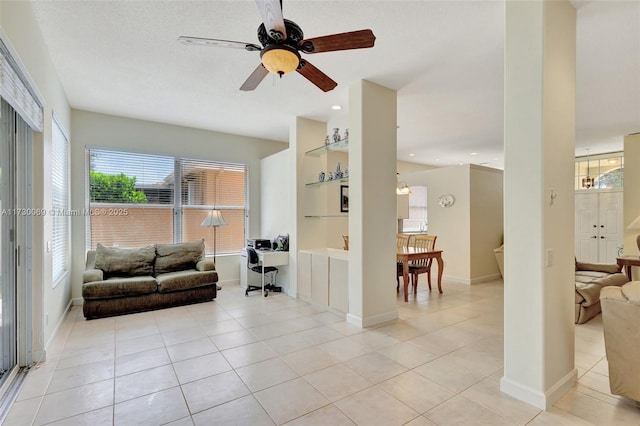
{"x":588,"y":182}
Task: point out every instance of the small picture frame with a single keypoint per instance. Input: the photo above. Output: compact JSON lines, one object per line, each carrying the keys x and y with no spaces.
{"x":344,"y":198}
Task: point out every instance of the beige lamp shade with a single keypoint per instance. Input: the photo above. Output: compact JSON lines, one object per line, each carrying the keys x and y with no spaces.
{"x":214,"y":218}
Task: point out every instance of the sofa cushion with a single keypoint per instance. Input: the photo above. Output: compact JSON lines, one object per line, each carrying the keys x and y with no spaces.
{"x":600,"y":278}
{"x":125,"y":262}
{"x":178,"y":257}
{"x":598,"y":267}
{"x":119,"y":287}
{"x":590,"y":292}
{"x":183,"y":280}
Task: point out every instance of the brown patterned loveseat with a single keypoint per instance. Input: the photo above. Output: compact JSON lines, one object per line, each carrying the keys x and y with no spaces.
{"x":119,"y":281}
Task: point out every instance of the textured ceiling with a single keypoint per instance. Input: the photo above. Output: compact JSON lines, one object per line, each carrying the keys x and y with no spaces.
{"x":445,"y":59}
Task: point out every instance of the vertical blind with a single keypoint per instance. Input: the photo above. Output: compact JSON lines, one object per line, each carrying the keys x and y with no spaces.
{"x":140,"y":199}
{"x":60,"y":249}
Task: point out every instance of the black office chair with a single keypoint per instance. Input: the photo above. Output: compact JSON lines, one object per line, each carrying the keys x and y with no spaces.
{"x":253,"y":264}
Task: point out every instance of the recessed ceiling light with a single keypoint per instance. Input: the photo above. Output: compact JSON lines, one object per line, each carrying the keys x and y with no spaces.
{"x":462,"y":164}
{"x":496,"y":159}
{"x":437,"y":160}
{"x":613,"y":161}
{"x":474,"y":153}
{"x":336,"y":107}
{"x":412,"y":155}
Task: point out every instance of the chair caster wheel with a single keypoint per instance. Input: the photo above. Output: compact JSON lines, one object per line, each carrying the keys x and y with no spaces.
{"x":246,"y":293}
{"x":266,"y":294}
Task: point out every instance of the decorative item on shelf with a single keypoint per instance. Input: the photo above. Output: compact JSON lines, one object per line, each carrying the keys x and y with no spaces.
{"x":636,"y":225}
{"x":336,"y":135}
{"x":338,"y":173}
{"x":346,"y":134}
{"x":346,"y":172}
{"x":446,"y":200}
{"x":326,"y":140}
{"x":344,"y":198}
{"x":423,"y":225}
{"x":321,"y":177}
{"x":330,"y":176}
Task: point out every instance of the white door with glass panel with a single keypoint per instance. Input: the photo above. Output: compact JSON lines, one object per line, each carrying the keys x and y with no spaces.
{"x":598,"y":226}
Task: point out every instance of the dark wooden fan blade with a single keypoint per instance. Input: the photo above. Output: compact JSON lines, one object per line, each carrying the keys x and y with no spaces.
{"x":344,"y":41}
{"x":255,"y":78}
{"x":218,"y":43}
{"x":317,"y":77}
{"x":271,"y":12}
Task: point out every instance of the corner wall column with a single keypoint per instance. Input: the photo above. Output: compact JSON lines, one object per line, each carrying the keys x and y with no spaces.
{"x":539,"y":132}
{"x":372,"y":204}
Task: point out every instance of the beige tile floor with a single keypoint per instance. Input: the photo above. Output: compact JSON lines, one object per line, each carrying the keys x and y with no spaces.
{"x":276,"y":360}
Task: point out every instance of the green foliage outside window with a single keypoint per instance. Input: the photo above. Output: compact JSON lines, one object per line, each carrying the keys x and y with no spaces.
{"x":104,"y":188}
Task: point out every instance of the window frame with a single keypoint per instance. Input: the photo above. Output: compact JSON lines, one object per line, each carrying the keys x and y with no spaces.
{"x":179,"y":206}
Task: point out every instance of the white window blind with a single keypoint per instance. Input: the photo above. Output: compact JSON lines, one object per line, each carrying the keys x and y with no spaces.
{"x":207,"y":185}
{"x":17,"y":92}
{"x":134,"y":201}
{"x":60,"y":169}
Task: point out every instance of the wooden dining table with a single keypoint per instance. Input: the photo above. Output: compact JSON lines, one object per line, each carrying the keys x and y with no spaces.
{"x":407,"y":254}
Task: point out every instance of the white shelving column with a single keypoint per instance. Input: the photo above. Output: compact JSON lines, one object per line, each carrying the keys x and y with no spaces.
{"x":372,"y":204}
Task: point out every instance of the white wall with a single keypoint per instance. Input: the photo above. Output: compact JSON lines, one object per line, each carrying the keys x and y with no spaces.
{"x":631,"y":193}
{"x":471,"y":228}
{"x":106,"y":131}
{"x":21,"y":33}
{"x":275,"y":215}
{"x":487,"y":225}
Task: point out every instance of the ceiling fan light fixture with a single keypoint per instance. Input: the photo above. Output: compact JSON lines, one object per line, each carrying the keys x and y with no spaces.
{"x":280,"y":59}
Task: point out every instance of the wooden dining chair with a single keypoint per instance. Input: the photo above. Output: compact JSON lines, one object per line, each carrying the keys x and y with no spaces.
{"x":402,"y":240}
{"x":422,"y":266}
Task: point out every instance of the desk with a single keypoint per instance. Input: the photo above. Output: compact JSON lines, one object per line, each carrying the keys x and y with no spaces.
{"x":627,"y":262}
{"x":407,"y":254}
{"x":272,"y":258}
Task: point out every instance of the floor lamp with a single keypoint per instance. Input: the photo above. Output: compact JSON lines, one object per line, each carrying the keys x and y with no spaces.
{"x":214,"y":219}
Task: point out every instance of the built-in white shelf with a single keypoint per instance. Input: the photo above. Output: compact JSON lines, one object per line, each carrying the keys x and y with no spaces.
{"x":341,"y":145}
{"x":318,"y":183}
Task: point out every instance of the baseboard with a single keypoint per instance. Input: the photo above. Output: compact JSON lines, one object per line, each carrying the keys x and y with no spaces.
{"x":453,"y":279}
{"x":229,"y":282}
{"x":470,"y":281}
{"x":40,"y":356}
{"x":561,"y":387}
{"x":541,"y":400}
{"x":77,"y":301}
{"x":372,"y":320}
{"x":486,"y":278}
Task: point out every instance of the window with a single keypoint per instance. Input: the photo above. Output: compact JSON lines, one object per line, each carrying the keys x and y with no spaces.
{"x":417,"y":221}
{"x":141,"y":199}
{"x":60,"y":249}
{"x":606,"y":170}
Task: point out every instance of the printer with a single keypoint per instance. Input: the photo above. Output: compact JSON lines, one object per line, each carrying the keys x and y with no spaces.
{"x":258,"y":244}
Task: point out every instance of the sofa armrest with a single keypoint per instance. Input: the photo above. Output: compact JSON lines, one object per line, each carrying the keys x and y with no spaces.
{"x":206,"y":265}
{"x":91,"y":275}
{"x":628,"y":293}
{"x":599,"y":267}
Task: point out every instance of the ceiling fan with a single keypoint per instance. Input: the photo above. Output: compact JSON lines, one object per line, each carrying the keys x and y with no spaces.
{"x":282,"y":41}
